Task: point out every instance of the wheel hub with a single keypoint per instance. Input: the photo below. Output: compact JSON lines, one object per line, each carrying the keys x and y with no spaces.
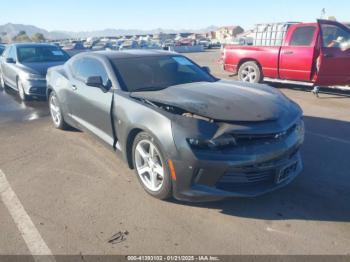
{"x":149,"y":165}
{"x":249,"y":74}
{"x":55,"y":110}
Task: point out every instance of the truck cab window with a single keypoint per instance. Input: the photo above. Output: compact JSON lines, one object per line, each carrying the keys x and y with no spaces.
{"x":334,"y":36}
{"x":303,"y":36}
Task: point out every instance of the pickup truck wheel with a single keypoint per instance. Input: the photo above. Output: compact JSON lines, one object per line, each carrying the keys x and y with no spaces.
{"x":150,"y":167}
{"x":250,"y":72}
{"x":56,"y":112}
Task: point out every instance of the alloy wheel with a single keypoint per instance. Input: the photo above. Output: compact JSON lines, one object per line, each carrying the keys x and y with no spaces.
{"x":249,"y":74}
{"x":149,"y":165}
{"x":55,"y":110}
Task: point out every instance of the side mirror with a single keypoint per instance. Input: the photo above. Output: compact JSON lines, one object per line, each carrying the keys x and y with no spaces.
{"x":10,"y":60}
{"x":206,"y":69}
{"x":96,"y":81}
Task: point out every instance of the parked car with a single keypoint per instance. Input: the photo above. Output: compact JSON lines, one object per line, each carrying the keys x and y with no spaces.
{"x":102,"y":46}
{"x":24,"y":66}
{"x":168,"y":43}
{"x":185,"y":42}
{"x":205,"y":43}
{"x":129,"y":44}
{"x":310,"y":53}
{"x":215,"y":44}
{"x":2,"y":48}
{"x":186,"y":133}
{"x":74,"y":46}
{"x":243,"y":41}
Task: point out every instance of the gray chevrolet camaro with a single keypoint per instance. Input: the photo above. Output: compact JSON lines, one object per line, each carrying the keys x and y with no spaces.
{"x":186,"y":133}
{"x":24,"y":66}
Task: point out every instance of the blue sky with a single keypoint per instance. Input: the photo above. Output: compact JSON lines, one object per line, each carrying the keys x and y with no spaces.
{"x":79,"y":15}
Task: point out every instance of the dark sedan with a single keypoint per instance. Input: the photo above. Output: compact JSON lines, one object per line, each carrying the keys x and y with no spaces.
{"x":24,"y":67}
{"x":186,"y":133}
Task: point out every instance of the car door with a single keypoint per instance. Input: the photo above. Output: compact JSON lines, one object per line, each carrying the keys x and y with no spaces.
{"x":297,"y":56}
{"x":90,"y":106}
{"x":334,"y":60}
{"x":3,"y":60}
{"x":8,"y":69}
{"x":11,"y":68}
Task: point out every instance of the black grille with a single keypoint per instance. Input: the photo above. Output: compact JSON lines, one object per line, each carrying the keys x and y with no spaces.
{"x":248,"y":178}
{"x":246,"y":139}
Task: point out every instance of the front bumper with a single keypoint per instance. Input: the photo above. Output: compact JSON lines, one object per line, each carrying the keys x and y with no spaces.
{"x":34,"y":87}
{"x":244,"y":172}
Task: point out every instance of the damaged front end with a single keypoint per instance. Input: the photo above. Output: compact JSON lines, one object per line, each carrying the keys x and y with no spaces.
{"x":217,"y":159}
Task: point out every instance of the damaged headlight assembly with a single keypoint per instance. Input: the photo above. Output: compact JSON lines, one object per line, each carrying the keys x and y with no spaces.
{"x":300,"y":129}
{"x":215,"y":143}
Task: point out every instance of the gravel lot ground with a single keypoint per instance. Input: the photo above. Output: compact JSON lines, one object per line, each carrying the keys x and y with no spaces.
{"x":78,"y":193}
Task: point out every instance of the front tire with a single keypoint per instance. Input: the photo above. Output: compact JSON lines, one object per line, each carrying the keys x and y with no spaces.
{"x":151,"y":167}
{"x":250,"y":72}
{"x":24,"y":97}
{"x":56,"y":112}
{"x":2,"y":81}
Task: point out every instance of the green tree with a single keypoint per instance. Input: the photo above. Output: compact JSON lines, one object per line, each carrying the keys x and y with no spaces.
{"x":4,"y":37}
{"x":21,"y":37}
{"x":38,"y":37}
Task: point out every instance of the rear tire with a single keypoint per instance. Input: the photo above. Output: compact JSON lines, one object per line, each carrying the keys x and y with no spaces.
{"x":250,"y":72}
{"x":56,"y":112}
{"x":151,"y":166}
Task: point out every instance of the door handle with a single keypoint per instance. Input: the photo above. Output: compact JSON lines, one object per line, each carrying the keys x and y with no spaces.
{"x":288,"y":52}
{"x":74,"y":87}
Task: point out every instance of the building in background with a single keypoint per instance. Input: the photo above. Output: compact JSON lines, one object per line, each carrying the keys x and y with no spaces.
{"x":228,"y":33}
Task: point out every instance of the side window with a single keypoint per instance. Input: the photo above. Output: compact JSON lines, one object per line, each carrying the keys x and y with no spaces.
{"x":7,"y":51}
{"x":12,"y":53}
{"x":75,"y":68}
{"x":303,"y":36}
{"x":86,"y":67}
{"x":334,"y":36}
{"x":186,"y":69}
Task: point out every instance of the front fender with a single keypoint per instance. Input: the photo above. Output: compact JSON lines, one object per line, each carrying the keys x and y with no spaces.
{"x":131,"y":114}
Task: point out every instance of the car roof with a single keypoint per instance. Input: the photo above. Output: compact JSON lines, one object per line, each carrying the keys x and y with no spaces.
{"x":31,"y":44}
{"x":127,"y":54}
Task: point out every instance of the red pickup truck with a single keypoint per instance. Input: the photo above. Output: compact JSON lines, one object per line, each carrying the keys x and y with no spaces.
{"x":312,"y":53}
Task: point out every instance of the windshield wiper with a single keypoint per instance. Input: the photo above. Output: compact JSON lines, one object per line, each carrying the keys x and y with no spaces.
{"x":149,"y":88}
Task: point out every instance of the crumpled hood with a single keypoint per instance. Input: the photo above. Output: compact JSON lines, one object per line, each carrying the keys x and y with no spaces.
{"x":38,"y":68}
{"x":226,"y":101}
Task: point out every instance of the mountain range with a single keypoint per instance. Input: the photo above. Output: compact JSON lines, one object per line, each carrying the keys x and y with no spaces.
{"x":9,"y":30}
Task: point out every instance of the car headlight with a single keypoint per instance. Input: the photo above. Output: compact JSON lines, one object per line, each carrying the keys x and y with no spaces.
{"x":216,"y":143}
{"x":34,"y":77}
